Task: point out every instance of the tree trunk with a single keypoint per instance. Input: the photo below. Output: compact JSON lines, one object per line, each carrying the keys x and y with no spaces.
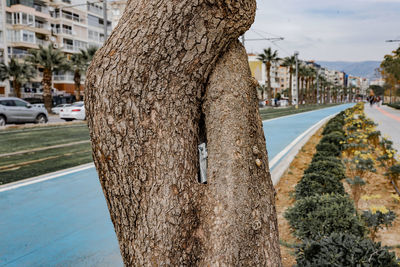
{"x":300,"y":84}
{"x":239,"y":198}
{"x":268,"y":64}
{"x":144,"y":93}
{"x":47,"y":96}
{"x":290,"y":86}
{"x":17,"y":88}
{"x":77,"y":81}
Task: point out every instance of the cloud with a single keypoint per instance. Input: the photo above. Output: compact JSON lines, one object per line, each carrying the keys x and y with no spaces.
{"x":352,"y":30}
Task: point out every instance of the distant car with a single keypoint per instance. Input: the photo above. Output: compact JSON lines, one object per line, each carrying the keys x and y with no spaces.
{"x":15,"y":110}
{"x":40,"y":106}
{"x":283,"y":102}
{"x":56,"y":109}
{"x":74,"y":112}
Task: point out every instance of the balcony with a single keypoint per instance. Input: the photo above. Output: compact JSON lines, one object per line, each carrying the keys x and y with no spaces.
{"x":18,"y":56}
{"x":41,"y":9}
{"x":63,"y":31}
{"x":42,"y":42}
{"x":69,"y":17}
{"x":69,"y":47}
{"x":94,"y":9}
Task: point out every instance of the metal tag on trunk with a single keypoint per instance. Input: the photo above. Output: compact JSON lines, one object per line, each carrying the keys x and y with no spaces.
{"x":203,"y":162}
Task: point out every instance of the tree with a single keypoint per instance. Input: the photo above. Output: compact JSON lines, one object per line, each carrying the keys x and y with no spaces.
{"x":50,"y":60}
{"x":312,"y":74}
{"x":390,"y":70}
{"x":322,"y":83}
{"x":152,"y":96}
{"x":301,"y":78}
{"x":377,"y":89}
{"x":290,"y":62}
{"x":18,"y":72}
{"x":268,"y":57}
{"x":80,"y":62}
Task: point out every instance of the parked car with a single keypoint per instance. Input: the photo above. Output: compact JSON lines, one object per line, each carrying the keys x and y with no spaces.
{"x":283,"y":102}
{"x":74,"y":112}
{"x":56,"y":109}
{"x":39,"y":106}
{"x":15,"y":110}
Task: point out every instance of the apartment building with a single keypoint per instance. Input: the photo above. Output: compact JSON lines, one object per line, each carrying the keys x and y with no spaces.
{"x":279,"y":74}
{"x":69,"y":25}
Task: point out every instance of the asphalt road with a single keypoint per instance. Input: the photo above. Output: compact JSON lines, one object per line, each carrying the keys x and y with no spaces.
{"x":388,"y":120}
{"x":65,"y":222}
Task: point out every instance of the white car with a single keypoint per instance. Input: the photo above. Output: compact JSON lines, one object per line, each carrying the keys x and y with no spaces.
{"x":38,"y":106}
{"x":56,"y":109}
{"x":74,"y":112}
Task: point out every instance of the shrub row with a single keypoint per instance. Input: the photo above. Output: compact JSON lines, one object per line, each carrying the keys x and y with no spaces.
{"x":324,"y":217}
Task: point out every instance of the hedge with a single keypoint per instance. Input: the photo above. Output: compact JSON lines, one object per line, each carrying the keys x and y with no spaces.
{"x":317,"y":184}
{"x":321,"y":215}
{"x":335,"y":169}
{"x":340,"y":249}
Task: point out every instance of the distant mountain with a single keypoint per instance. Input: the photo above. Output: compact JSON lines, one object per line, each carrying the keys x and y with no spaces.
{"x":364,"y":69}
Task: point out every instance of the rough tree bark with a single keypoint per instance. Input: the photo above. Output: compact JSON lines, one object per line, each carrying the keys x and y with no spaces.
{"x":144,"y":94}
{"x":47,"y":96}
{"x":239,"y":205}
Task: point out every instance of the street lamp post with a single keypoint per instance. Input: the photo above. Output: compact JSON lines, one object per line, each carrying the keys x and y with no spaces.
{"x":318,"y":85}
{"x":105,"y":19}
{"x":296,"y":55}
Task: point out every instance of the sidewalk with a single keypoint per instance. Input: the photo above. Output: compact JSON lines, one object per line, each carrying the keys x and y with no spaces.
{"x":388,"y":120}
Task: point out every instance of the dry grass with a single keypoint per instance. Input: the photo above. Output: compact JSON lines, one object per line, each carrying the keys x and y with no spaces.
{"x":284,"y":190}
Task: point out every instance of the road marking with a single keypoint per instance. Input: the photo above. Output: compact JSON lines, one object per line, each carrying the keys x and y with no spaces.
{"x":384,"y":112}
{"x":281,"y":154}
{"x":43,"y":148}
{"x":45,"y":177}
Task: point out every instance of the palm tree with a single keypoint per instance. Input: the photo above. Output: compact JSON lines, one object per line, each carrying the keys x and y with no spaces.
{"x":312,"y":74}
{"x":18,"y":72}
{"x":290,"y":62}
{"x":50,"y":60}
{"x":268,"y":57}
{"x":322,"y":82}
{"x":301,"y":79}
{"x":80,"y":62}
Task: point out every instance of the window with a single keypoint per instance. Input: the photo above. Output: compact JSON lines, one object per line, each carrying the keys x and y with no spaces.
{"x":8,"y":103}
{"x":20,"y":103}
{"x":80,"y":44}
{"x":96,"y":36}
{"x":97,"y":22}
{"x":9,"y":19}
{"x":28,"y":36}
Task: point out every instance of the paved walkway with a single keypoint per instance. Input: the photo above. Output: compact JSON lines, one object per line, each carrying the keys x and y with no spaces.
{"x":388,"y":120}
{"x":65,"y":222}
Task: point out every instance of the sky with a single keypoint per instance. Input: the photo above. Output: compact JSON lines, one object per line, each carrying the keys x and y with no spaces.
{"x":328,"y":30}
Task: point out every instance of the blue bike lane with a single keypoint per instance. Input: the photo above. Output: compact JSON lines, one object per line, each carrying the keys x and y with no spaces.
{"x":65,"y":222}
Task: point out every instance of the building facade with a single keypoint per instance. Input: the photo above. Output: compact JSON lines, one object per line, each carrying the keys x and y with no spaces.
{"x":279,"y":74}
{"x":70,"y":25}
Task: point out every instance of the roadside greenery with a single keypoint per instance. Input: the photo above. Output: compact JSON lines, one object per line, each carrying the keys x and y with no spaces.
{"x":341,"y":249}
{"x":332,"y":231}
{"x":271,"y":113}
{"x":33,"y":155}
{"x":390,"y":71}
